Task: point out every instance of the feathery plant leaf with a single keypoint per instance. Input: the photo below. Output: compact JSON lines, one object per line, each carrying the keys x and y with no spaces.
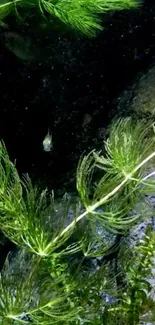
{"x":128,"y":149}
{"x":82,"y":15}
{"x":30,"y":218}
{"x":46,"y":291}
{"x":138,"y":264}
{"x":74,"y":15}
{"x":25,"y":297}
{"x":85,"y":171}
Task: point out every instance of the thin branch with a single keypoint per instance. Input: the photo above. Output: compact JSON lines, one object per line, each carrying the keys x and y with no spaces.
{"x":90,"y":209}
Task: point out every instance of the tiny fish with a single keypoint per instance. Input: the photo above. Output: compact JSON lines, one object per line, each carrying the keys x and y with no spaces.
{"x":47,"y":142}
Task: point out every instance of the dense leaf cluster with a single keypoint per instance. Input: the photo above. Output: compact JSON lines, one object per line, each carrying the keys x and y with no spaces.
{"x":82,"y":15}
{"x":53,"y":276}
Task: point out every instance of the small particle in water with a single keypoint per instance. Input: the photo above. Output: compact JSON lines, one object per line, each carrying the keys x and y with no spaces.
{"x":44,"y":82}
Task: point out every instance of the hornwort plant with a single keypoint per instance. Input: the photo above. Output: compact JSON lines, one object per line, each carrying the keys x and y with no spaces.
{"x":53,"y":276}
{"x":81,"y":15}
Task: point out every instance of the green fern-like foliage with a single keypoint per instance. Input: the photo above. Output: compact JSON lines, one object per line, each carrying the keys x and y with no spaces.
{"x":29,"y":292}
{"x":51,"y":277}
{"x":136,"y":301}
{"x":121,"y":175}
{"x":83,"y":15}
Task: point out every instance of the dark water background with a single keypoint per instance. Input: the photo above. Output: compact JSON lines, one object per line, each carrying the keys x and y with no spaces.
{"x":82,"y":82}
{"x":86,"y":76}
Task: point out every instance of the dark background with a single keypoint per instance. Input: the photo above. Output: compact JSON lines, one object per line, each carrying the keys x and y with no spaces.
{"x":85,"y":76}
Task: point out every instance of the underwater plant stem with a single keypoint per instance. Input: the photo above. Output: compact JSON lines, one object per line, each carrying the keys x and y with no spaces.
{"x":144,"y":162}
{"x":90,"y":209}
{"x":148,"y":176}
{"x":10,"y":2}
{"x":131,"y":318}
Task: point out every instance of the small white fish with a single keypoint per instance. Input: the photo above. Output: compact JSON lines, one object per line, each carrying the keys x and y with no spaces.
{"x":47,"y":142}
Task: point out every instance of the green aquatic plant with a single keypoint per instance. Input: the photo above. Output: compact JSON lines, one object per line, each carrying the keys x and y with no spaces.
{"x":136,"y":302}
{"x":83,"y":15}
{"x":53,"y":276}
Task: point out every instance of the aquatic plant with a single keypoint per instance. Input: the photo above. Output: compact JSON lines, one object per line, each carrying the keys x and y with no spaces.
{"x":53,"y":276}
{"x":83,"y":15}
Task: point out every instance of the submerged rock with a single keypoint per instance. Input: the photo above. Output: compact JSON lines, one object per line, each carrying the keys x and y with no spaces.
{"x":139,"y":98}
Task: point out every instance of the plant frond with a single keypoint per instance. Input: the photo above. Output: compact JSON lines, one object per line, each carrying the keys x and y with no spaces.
{"x":24,"y":297}
{"x":82,"y":15}
{"x":138,"y":270}
{"x":121,"y":179}
{"x":30,"y":218}
{"x":84,"y":176}
{"x":126,"y":147}
{"x":49,"y":290}
{"x":37,"y":222}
